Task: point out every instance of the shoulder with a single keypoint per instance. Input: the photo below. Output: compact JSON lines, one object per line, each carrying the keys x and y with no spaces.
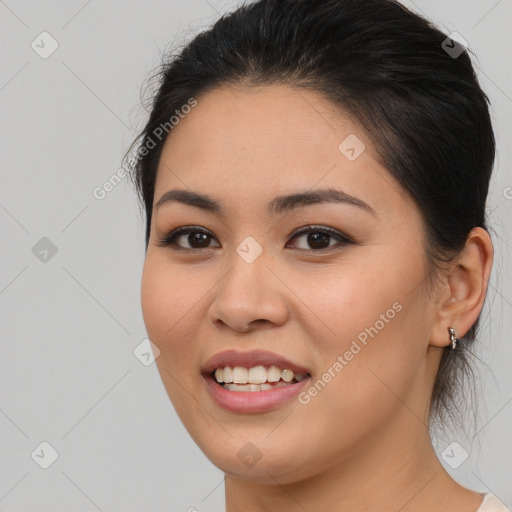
{"x":492,"y":504}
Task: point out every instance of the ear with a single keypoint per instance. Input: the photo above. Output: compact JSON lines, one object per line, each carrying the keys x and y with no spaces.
{"x":464,"y":289}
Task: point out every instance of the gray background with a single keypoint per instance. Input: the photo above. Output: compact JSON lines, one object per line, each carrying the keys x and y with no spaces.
{"x":69,"y":325}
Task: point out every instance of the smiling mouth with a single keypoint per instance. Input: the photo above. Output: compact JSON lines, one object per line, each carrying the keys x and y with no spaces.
{"x":257,"y":378}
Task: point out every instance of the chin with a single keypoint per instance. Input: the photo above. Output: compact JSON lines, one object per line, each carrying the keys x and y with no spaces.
{"x":252,"y":457}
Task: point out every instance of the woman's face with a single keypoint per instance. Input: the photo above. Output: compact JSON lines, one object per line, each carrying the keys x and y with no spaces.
{"x":351,"y":311}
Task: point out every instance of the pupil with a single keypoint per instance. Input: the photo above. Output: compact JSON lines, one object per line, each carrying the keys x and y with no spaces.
{"x":318,"y":238}
{"x":199,"y":238}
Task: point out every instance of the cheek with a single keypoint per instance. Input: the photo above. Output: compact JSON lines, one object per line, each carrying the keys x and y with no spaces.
{"x":171,"y":301}
{"x":371,"y":352}
{"x":350,"y":302}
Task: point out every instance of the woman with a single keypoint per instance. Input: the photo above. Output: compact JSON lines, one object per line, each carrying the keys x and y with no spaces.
{"x":314,"y":177}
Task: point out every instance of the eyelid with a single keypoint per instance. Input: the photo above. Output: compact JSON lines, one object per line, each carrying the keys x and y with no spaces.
{"x":321,"y":229}
{"x":167,"y":240}
{"x":175,"y":233}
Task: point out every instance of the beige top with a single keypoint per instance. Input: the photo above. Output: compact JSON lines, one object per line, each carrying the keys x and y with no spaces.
{"x":492,"y":504}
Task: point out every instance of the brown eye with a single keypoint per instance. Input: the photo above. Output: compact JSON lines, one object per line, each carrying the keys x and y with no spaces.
{"x":318,"y":239}
{"x":196,"y":238}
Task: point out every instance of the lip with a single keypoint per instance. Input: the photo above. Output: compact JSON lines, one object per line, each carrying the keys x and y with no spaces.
{"x":252,"y":401}
{"x":249,"y":359}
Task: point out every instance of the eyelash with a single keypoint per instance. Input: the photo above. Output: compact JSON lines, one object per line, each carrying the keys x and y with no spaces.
{"x":169,"y":239}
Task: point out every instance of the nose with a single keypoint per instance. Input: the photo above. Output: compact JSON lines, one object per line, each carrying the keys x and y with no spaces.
{"x":250,"y":296}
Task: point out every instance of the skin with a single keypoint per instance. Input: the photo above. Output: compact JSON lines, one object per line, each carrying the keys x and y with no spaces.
{"x":362,"y":443}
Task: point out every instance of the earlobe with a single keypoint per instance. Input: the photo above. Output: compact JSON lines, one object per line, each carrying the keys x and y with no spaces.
{"x":466,"y":288}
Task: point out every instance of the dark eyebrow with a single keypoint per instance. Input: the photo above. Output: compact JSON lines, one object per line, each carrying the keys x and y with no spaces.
{"x":191,"y":198}
{"x":327,"y":195}
{"x":278,"y":205}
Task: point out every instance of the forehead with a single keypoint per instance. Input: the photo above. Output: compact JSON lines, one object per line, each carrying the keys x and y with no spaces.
{"x":270,"y":140}
{"x":258,"y":119}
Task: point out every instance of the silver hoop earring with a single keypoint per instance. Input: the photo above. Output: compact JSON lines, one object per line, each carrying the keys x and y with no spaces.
{"x":453,"y":338}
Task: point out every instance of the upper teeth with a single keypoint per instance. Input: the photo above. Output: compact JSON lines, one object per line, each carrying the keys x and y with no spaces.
{"x":255,"y":375}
